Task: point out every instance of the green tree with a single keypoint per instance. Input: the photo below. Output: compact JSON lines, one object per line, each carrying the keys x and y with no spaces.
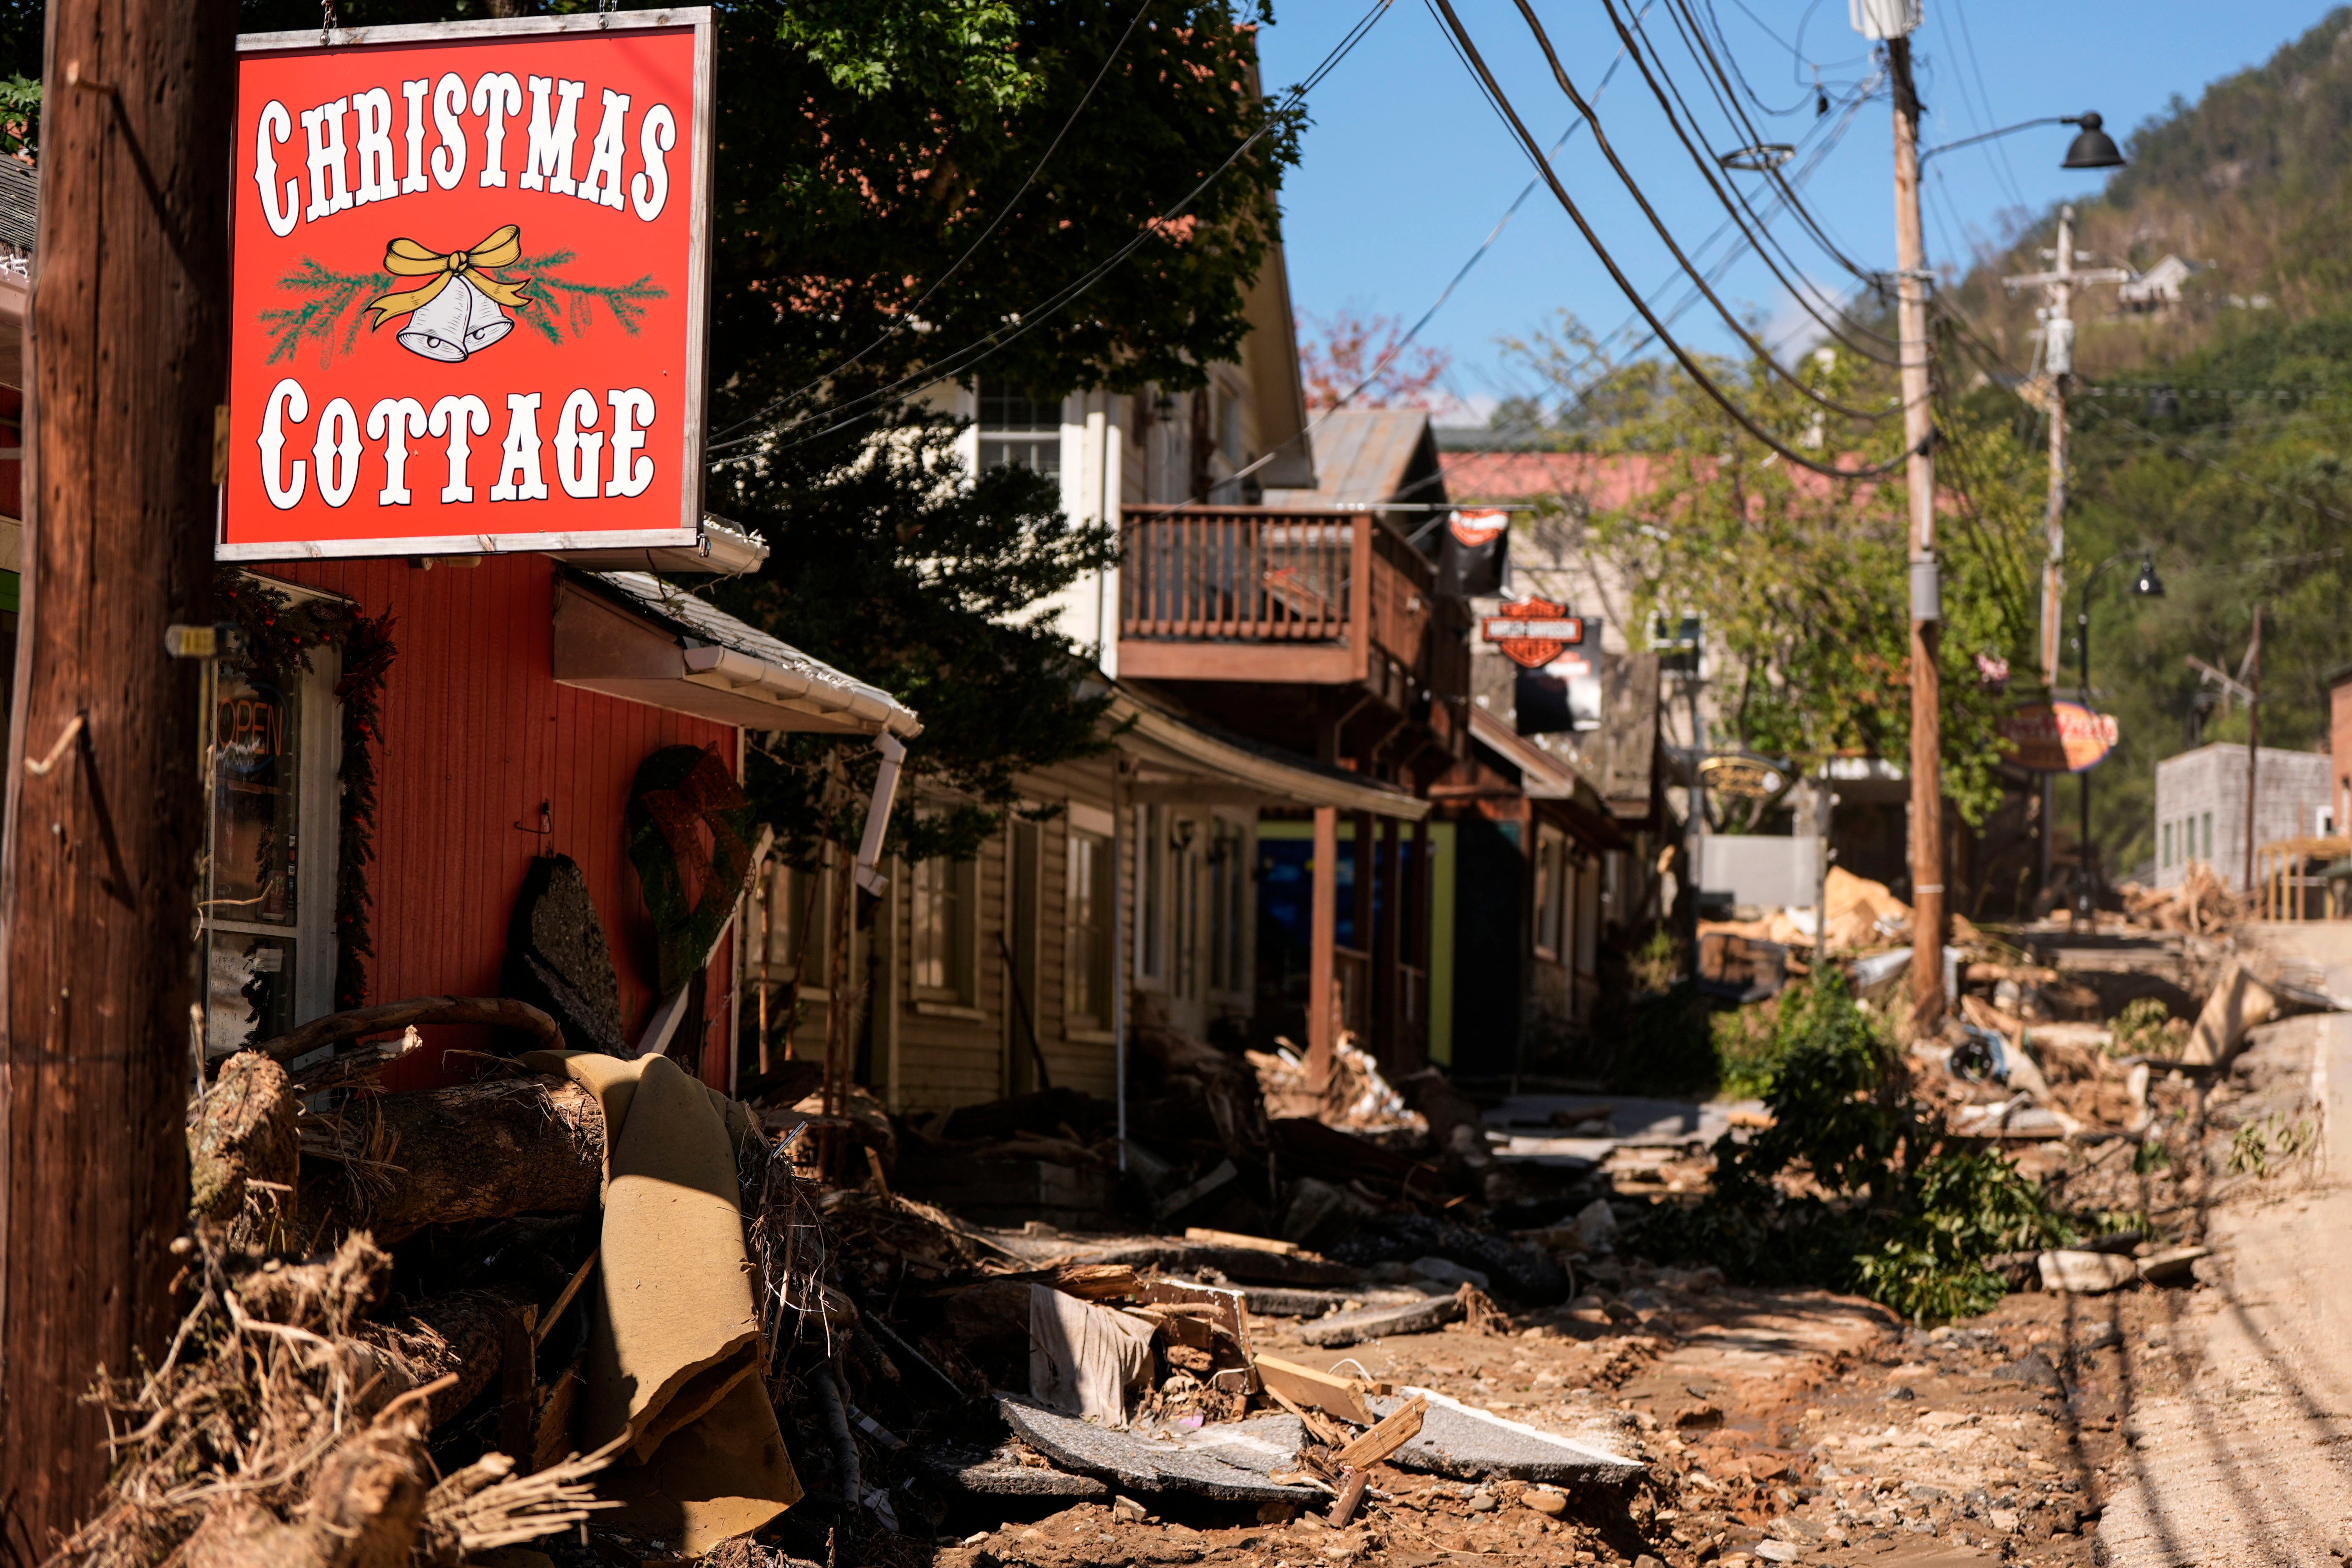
{"x":1803,"y":580}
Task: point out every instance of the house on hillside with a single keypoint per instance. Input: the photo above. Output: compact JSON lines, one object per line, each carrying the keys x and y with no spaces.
{"x":2158,"y":288}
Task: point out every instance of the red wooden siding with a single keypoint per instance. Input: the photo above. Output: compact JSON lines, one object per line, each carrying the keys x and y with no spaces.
{"x":476,"y":734}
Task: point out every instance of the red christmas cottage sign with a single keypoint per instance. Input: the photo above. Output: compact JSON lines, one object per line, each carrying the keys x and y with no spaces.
{"x":469,"y":288}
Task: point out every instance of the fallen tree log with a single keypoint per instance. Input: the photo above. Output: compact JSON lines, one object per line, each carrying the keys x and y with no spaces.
{"x":502,"y":1012}
{"x":395,"y":1163}
{"x":242,"y":1129}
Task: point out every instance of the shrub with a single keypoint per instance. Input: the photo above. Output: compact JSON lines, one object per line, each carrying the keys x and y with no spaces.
{"x":1897,"y":1217}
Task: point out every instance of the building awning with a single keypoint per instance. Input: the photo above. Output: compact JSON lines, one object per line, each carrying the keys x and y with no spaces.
{"x":721,"y":547}
{"x":1184,"y":762}
{"x":632,"y":636}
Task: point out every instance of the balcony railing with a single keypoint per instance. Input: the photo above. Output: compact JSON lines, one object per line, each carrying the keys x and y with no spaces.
{"x":1239,"y":575}
{"x":1321,"y":597}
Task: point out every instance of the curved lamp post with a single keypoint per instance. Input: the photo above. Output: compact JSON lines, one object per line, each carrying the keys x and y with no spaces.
{"x":2091,"y":148}
{"x":2145,"y":585}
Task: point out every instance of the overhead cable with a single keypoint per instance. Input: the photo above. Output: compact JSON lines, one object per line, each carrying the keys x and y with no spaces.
{"x":1397,"y":347}
{"x":961,"y":361}
{"x":913,"y":313}
{"x":1691,"y":366}
{"x":1760,"y":236}
{"x":1711,"y":70}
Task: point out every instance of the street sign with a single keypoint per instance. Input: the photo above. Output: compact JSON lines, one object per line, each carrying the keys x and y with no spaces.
{"x":1750,"y":777}
{"x":1473,"y":552}
{"x":2059,"y":737}
{"x":468,"y":272}
{"x":1534,"y":631}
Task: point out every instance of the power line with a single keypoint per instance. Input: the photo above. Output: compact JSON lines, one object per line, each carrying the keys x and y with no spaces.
{"x":913,"y":312}
{"x":1632,"y":186}
{"x":961,"y":361}
{"x":1598,"y":352}
{"x":1996,"y":152}
{"x":1711,"y":72}
{"x":1740,"y":416}
{"x":1436,"y":305}
{"x":1761,"y":234}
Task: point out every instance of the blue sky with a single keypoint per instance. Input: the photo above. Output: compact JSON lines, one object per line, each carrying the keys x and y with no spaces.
{"x":1406,"y":170}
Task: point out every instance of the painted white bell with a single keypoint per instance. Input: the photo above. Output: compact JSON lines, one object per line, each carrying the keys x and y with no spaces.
{"x":488,"y":322}
{"x":437,"y":329}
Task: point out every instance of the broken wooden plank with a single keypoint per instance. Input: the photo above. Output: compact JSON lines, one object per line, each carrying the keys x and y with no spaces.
{"x":1394,"y":1431}
{"x":1233,"y":1239}
{"x":1334,"y":1395}
{"x":1327,"y":1432}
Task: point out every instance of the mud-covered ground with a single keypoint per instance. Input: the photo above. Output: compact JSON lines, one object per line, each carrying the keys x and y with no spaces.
{"x":1787,"y":1425}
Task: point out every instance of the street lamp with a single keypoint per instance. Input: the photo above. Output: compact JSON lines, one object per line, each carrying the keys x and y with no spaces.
{"x":2091,"y":148}
{"x":2145,"y":585}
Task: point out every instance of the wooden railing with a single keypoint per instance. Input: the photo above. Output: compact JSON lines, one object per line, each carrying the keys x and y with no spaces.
{"x":1251,"y":575}
{"x":1239,"y":574}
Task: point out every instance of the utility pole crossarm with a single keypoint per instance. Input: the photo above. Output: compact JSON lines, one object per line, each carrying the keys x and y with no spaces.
{"x":2087,"y":275}
{"x":2230,"y":685}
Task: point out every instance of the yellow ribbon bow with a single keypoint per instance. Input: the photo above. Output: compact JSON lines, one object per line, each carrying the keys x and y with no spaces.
{"x":406,"y":259}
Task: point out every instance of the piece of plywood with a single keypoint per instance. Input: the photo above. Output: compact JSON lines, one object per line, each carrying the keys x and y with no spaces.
{"x":1341,"y":1396}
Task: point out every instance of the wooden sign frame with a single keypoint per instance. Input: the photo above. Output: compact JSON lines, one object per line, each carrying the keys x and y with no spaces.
{"x":669,"y":372}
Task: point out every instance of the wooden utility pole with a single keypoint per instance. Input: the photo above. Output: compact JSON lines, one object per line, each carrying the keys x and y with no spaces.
{"x":2254,"y":679}
{"x":128,"y":348}
{"x":1926,"y":599}
{"x":2058,"y":286}
{"x":1322,"y":941}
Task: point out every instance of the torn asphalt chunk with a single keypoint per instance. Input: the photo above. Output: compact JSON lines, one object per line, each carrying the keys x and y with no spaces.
{"x":1472,"y":1444}
{"x":1144,"y":1464}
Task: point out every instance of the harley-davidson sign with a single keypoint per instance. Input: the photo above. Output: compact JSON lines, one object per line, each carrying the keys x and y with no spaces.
{"x":468,"y":287}
{"x":1533,"y":633}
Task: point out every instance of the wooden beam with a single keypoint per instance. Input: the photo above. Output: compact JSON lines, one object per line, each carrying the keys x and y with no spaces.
{"x":1388,"y":952}
{"x":1361,"y":857}
{"x":1303,"y":663}
{"x":1323,"y":939}
{"x":129,"y":358}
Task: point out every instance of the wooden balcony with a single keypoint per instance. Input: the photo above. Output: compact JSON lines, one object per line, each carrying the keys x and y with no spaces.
{"x":1309,"y":598}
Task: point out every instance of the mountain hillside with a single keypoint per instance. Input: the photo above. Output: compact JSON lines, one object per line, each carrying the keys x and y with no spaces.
{"x":2208,"y":434}
{"x":2251,"y":184}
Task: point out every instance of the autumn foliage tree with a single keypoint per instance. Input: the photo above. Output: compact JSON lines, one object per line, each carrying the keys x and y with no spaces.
{"x":1349,"y":351}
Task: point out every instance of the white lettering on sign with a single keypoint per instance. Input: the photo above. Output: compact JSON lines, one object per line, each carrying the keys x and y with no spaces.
{"x":392,"y":421}
{"x":549,"y":165}
{"x":649,"y":191}
{"x":276,"y":126}
{"x":496,"y":94}
{"x":286,"y":400}
{"x":632,"y":411}
{"x":338,"y":453}
{"x":377,"y":181}
{"x":449,"y":158}
{"x":456,"y":417}
{"x":323,"y":129}
{"x":1568,"y":629}
{"x":365,"y":165}
{"x":414,"y":91}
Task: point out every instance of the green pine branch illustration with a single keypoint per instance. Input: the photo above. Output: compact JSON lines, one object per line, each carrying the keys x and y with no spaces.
{"x":333,"y":305}
{"x":576,"y":303}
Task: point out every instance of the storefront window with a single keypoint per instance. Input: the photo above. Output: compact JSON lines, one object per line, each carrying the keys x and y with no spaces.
{"x":255,"y":864}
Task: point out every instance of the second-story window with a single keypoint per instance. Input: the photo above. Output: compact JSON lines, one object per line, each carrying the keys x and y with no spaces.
{"x":1019,"y":431}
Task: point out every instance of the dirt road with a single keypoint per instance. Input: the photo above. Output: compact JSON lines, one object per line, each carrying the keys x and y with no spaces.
{"x":2243,"y":1459}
